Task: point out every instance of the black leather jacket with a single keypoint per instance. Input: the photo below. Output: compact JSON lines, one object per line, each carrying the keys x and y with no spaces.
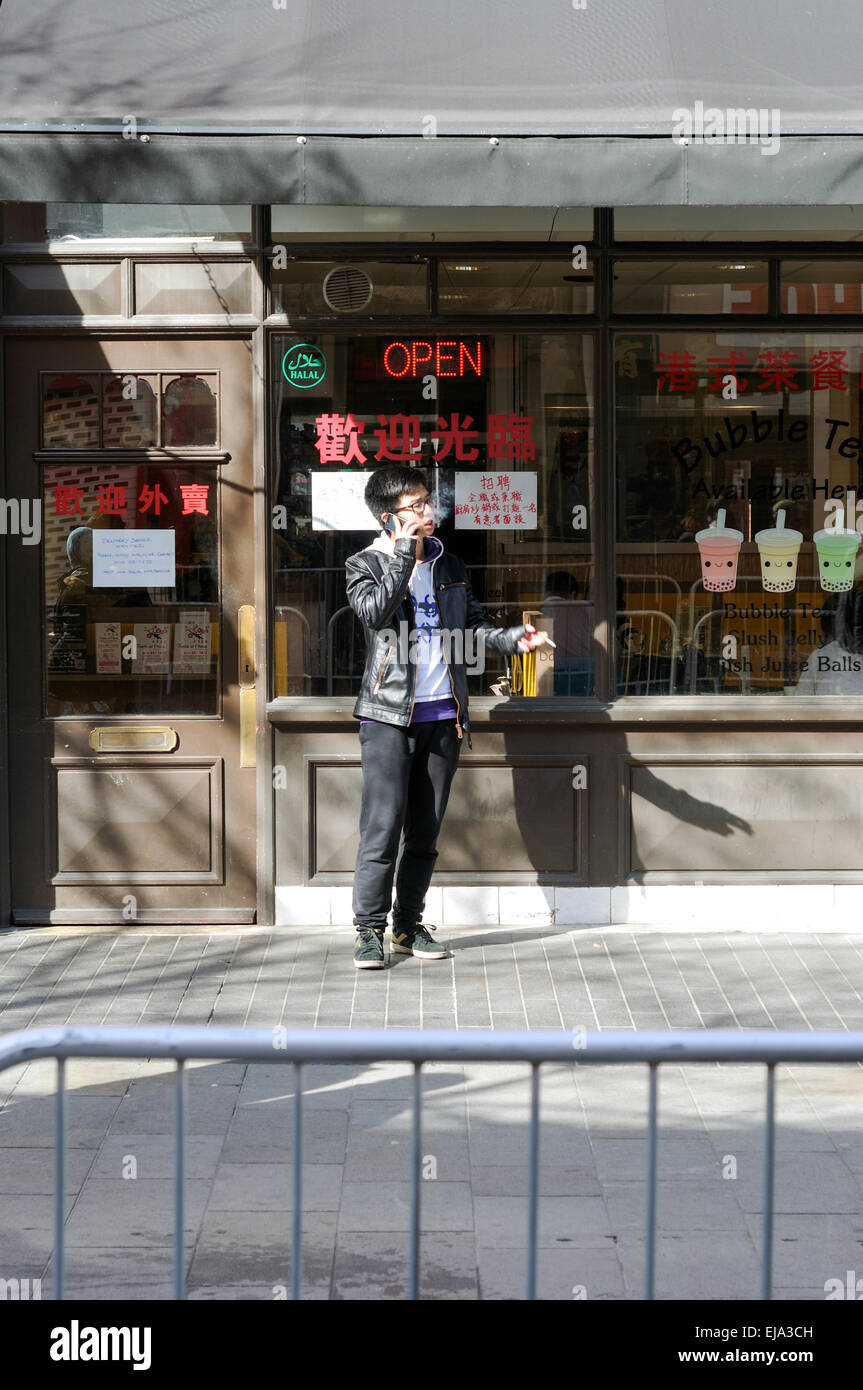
{"x":378,"y":592}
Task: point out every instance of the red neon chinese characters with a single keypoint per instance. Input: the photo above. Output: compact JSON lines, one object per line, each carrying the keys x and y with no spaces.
{"x":112,"y":498}
{"x":453,"y":435}
{"x":776,"y":371}
{"x":338,"y":439}
{"x":726,"y":366}
{"x":510,"y":437}
{"x":679,"y":371}
{"x":399,"y":438}
{"x":829,"y":368}
{"x":67,"y":501}
{"x":194,"y":498}
{"x":150,"y":497}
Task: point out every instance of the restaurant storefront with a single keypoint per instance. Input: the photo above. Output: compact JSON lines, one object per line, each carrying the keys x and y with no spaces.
{"x":250,"y":252}
{"x":641,"y":427}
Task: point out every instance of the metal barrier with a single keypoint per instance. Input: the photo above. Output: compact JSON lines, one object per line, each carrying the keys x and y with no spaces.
{"x":342,"y":1045}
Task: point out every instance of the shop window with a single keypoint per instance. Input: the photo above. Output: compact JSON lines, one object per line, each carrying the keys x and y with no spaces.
{"x":690,"y":287}
{"x":188,"y":412}
{"x":822,"y":287}
{"x":513,"y":287}
{"x":292,"y":222}
{"x":131,"y":585}
{"x":128,"y":413}
{"x":219,"y":287}
{"x":506,"y":446}
{"x":106,"y":410}
{"x":323,"y":289}
{"x":72,"y":222}
{"x":69,"y":289}
{"x":738,"y":224}
{"x":738,"y":563}
{"x":71,"y":411}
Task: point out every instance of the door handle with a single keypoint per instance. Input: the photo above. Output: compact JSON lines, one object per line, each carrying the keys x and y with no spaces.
{"x":246,"y":676}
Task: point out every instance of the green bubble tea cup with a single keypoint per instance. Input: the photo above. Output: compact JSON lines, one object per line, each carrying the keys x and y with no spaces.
{"x":837,"y":551}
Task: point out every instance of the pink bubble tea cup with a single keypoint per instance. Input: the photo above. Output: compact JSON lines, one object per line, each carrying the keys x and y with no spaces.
{"x":778,"y":549}
{"x":719,"y":547}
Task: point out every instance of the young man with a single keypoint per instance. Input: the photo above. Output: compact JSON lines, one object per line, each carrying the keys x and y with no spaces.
{"x":416,"y":606}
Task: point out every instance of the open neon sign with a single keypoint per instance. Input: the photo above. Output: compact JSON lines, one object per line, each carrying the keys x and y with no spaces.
{"x":456,"y":357}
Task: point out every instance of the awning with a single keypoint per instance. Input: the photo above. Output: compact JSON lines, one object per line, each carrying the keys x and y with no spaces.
{"x":397,"y":102}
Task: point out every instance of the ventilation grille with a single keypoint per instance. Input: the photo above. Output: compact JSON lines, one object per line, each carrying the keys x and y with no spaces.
{"x":347,"y":290}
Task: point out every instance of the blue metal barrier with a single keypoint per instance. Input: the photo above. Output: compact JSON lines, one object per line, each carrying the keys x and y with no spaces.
{"x":341,"y":1045}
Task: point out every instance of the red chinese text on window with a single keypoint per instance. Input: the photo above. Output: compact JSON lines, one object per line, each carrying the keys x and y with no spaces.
{"x":399,"y":438}
{"x":510,"y":437}
{"x":338,"y":439}
{"x":195,"y":497}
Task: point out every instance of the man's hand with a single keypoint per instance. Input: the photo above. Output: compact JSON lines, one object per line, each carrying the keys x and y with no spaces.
{"x":410,"y":528}
{"x":532,"y":639}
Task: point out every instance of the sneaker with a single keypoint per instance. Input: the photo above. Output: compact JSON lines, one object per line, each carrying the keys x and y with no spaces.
{"x":415,"y":941}
{"x":369,"y":949}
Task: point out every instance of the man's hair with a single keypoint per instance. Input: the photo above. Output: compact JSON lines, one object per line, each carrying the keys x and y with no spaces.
{"x":389,"y":483}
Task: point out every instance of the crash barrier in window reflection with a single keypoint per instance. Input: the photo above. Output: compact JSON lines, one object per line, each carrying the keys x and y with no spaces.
{"x":339,"y":1046}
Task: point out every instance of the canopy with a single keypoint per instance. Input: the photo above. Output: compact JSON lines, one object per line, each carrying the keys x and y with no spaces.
{"x":397,"y":101}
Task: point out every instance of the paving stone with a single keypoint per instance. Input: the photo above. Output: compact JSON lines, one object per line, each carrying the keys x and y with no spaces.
{"x":375,"y":1265}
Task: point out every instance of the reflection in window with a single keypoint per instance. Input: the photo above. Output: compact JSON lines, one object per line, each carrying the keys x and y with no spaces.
{"x":130,"y":639}
{"x":70,"y":412}
{"x":736,"y":458}
{"x":128,"y":413}
{"x":188,"y":413}
{"x":507,"y":450}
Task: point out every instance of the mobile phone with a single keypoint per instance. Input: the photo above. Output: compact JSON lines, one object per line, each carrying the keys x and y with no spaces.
{"x":390,"y":524}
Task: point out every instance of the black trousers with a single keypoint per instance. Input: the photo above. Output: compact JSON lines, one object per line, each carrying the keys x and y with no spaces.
{"x":407,"y":775}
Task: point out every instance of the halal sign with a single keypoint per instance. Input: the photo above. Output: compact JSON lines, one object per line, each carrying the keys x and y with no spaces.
{"x":304,"y":365}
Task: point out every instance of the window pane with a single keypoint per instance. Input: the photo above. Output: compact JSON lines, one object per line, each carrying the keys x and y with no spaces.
{"x":101,"y":591}
{"x":42,"y":222}
{"x":315,"y":289}
{"x":689,"y":287}
{"x":734,"y":452}
{"x":189,"y":411}
{"x":128,"y":413}
{"x":507,"y":449}
{"x":62,"y":289}
{"x":822,"y":287}
{"x":738,"y":224}
{"x":513,"y":287}
{"x":222,"y":287}
{"x":70,"y":411}
{"x":292,"y":222}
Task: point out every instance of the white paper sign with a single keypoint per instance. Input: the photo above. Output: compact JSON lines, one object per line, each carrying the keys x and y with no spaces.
{"x":124,"y":558}
{"x":192,"y":644}
{"x":338,"y":503}
{"x":153,"y":648}
{"x":108,"y":661}
{"x":494,"y":501}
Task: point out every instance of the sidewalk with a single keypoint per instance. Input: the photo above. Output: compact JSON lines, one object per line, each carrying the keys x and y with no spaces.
{"x":357,"y":1119}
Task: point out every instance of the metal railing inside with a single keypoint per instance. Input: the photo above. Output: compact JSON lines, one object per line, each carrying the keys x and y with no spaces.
{"x":338,"y":1046}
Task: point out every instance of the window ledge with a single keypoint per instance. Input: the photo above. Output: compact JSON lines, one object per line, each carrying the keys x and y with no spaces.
{"x":691,"y":710}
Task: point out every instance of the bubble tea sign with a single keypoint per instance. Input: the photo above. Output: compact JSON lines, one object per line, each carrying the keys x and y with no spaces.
{"x":778,"y":549}
{"x":719,"y":547}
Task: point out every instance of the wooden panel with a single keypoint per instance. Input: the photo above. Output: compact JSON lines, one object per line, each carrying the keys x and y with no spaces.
{"x":515,"y":816}
{"x":119,"y":820}
{"x":729,"y":816}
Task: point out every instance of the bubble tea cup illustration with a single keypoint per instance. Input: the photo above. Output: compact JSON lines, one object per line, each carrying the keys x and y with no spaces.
{"x":837,"y":551}
{"x":778,"y":549}
{"x":719,"y":547}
